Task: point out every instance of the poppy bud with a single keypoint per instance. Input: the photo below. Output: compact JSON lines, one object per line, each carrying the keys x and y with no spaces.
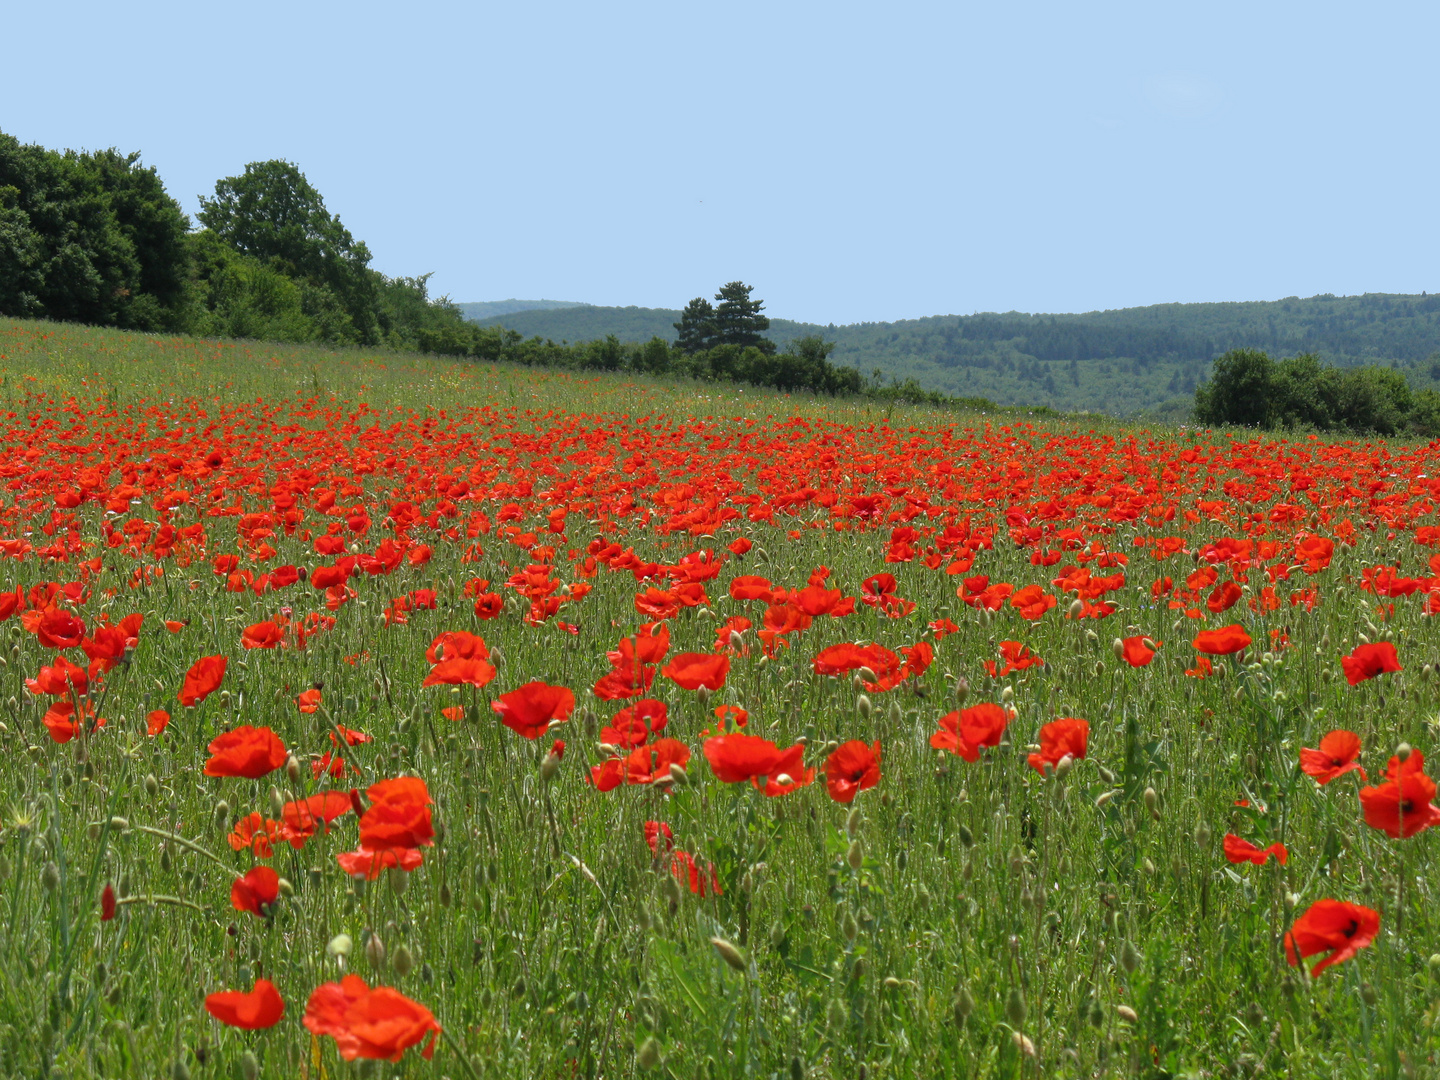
{"x":836,"y":1015}
{"x":962,"y":690}
{"x":165,"y":861}
{"x":1106,"y":775}
{"x":179,"y":1070}
{"x":1099,"y":668}
{"x":1023,"y":1044}
{"x":1008,"y":694}
{"x":222,"y":816}
{"x":277,"y":803}
{"x":649,"y":1054}
{"x":895,"y":714}
{"x":1063,"y":767}
{"x":856,"y":855}
{"x":403,"y":962}
{"x":1125,"y":1012}
{"x":1129,"y":956}
{"x":849,"y":927}
{"x":152,"y":786}
{"x":1118,"y":648}
{"x":966,"y":836}
{"x":729,"y":953}
{"x":1152,"y":800}
{"x":642,"y":919}
{"x":862,"y":706}
{"x":340,"y":946}
{"x":1434,"y":962}
{"x":497,"y":657}
{"x":549,"y":767}
{"x":1368,"y":994}
{"x":852,"y":822}
{"x":1015,"y":1008}
{"x":1291,"y":900}
{"x":249,"y":1066}
{"x":50,"y":877}
{"x":1403,"y":751}
{"x":1076,"y":608}
{"x":1103,"y":798}
{"x":375,"y":951}
{"x":292,"y":769}
{"x":671,"y":889}
{"x":399,"y":880}
{"x":964,"y":1005}
{"x":1202,"y":835}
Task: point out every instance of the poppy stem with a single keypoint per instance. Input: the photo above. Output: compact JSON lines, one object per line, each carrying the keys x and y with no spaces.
{"x":183,"y":843}
{"x":459,"y":1052}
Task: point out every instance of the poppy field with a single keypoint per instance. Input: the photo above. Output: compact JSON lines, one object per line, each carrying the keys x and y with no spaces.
{"x":469,"y":722}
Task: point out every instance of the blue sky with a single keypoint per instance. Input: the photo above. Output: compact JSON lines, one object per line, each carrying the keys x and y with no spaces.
{"x":851,"y":162}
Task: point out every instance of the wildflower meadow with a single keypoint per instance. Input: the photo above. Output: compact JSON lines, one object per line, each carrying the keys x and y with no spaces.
{"x":386,"y":716}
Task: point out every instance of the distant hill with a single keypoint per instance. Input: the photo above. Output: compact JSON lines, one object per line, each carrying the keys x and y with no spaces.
{"x":1123,"y":361}
{"x":480,"y":310}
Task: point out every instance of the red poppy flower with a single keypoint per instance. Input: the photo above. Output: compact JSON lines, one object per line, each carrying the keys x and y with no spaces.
{"x":257,"y":834}
{"x":846,"y":656}
{"x":1367,"y":661}
{"x":308,"y":701}
{"x":303,"y":817}
{"x":1059,"y":739}
{"x":59,"y":678}
{"x":690,"y":671}
{"x":1336,"y":757}
{"x":1240,"y":850}
{"x":475,"y":672}
{"x":453,"y":713}
{"x":790,"y":773}
{"x":1223,"y":597}
{"x":737,"y":757}
{"x":966,"y":731}
{"x":1222,"y":642}
{"x":379,"y":1024}
{"x":399,"y":815}
{"x":261,"y":1008}
{"x":1401,"y":806}
{"x":751,"y":587}
{"x":58,"y":629}
{"x":1332,"y":926}
{"x":202,"y":680}
{"x":63,"y":722}
{"x":1135,"y":652}
{"x":457,"y":645}
{"x":363,"y":862}
{"x":651,"y":764}
{"x":851,"y":768}
{"x":655,"y":831}
{"x":107,"y":903}
{"x":247,"y":751}
{"x":531,"y":709}
{"x":740,"y":545}
{"x":256,"y":891}
{"x":262,"y":635}
{"x":156,"y":722}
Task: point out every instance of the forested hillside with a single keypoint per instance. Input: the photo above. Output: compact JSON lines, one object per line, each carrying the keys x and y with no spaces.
{"x":1123,"y":361}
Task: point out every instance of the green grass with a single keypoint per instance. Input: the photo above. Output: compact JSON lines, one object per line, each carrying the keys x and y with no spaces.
{"x":543,"y":936}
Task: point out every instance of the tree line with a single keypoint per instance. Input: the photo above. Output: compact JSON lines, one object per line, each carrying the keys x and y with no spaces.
{"x":94,"y":238}
{"x":1300,"y":393}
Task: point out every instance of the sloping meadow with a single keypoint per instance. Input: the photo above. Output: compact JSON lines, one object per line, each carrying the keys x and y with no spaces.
{"x":547,"y":744}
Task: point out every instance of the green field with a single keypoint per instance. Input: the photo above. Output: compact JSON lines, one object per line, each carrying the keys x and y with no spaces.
{"x":960,"y":918}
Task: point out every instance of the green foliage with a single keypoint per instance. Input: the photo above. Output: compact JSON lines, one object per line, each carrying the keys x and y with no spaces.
{"x":738,"y":320}
{"x":1249,"y":389}
{"x":89,"y":237}
{"x":272,"y":213}
{"x":1122,"y":361}
{"x":696,"y":328}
